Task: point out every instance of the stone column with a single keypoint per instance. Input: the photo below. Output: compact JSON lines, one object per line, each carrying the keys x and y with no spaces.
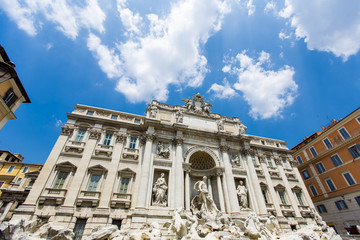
{"x":47,"y":169}
{"x":231,"y":191}
{"x":6,"y":210}
{"x":220,"y":191}
{"x":179,"y":172}
{"x":75,"y":186}
{"x":145,"y":169}
{"x":287,"y":187}
{"x":255,"y":183}
{"x":187,"y":189}
{"x":270,"y":184}
{"x":112,"y":171}
{"x":210,"y":187}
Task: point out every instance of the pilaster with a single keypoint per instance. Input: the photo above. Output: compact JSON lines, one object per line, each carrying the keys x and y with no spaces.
{"x":179,"y":172}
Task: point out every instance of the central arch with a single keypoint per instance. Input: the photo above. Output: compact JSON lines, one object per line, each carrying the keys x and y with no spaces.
{"x":201,"y":161}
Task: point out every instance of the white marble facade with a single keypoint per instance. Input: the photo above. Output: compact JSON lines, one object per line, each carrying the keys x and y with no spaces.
{"x":110,"y":167}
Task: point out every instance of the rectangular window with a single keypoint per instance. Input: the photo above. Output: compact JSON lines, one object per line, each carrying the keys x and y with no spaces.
{"x":10,"y":97}
{"x":132,"y":144}
{"x":313,"y":190}
{"x":299,"y":160}
{"x":18,"y":180}
{"x":7,"y":157}
{"x":262,"y":142}
{"x":321,"y":208}
{"x":1,"y":184}
{"x":330,"y":184}
{"x":269,"y":162}
{"x":282,"y":197}
{"x":253,"y":159}
{"x":344,"y":133}
{"x":313,"y":152}
{"x":94,"y":180}
{"x":264,"y":193}
{"x":117,"y":222}
{"x":79,"y":228}
{"x":320,"y":167}
{"x":327,"y":143}
{"x":341,"y":205}
{"x":10,"y":169}
{"x":80,"y":135}
{"x":115,"y":117}
{"x":356,"y":198}
{"x":137,"y":121}
{"x":60,"y":179}
{"x":349,"y":179}
{"x":299,"y":197}
{"x":25,"y":169}
{"x":90,"y":113}
{"x":107,"y":139}
{"x":355,"y":151}
{"x":305,"y":174}
{"x":336,"y":160}
{"x":124,"y":185}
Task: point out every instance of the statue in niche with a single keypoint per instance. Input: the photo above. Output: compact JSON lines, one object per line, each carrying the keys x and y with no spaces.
{"x":163,"y":151}
{"x":242,"y":194}
{"x":179,"y":116}
{"x":242,"y":128}
{"x":235,"y":161}
{"x":220,"y":124}
{"x":159,"y":191}
{"x":203,"y":203}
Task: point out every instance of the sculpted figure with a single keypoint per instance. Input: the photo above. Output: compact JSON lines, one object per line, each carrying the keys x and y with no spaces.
{"x":220,"y":124}
{"x":235,"y":161}
{"x":203,"y":202}
{"x":177,"y":224}
{"x":253,"y":226}
{"x":206,"y":107}
{"x":153,"y":111}
{"x":179,"y":116}
{"x":188,"y":103}
{"x":242,"y":194}
{"x":159,"y":191}
{"x":162,"y":151}
{"x":272,"y":225}
{"x":242,"y":128}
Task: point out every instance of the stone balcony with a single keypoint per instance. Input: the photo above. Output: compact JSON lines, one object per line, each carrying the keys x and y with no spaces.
{"x":287,"y":210}
{"x":88,"y":197}
{"x":102,"y":150}
{"x":121,"y":199}
{"x":74,"y":147}
{"x":53,"y":195}
{"x":130,"y":153}
{"x":305,"y":211}
{"x":270,"y":208}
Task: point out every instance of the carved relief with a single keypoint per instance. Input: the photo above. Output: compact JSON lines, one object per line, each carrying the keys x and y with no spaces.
{"x":121,"y":138}
{"x":242,"y":128}
{"x":66,"y":130}
{"x":95,"y":134}
{"x":220,"y":124}
{"x":235,"y":160}
{"x":162,"y":150}
{"x":179,"y":116}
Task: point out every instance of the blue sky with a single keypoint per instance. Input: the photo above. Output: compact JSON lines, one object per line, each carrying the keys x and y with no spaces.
{"x":285,"y":68}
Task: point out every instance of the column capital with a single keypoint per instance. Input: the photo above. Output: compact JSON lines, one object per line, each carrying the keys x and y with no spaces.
{"x":224,"y":148}
{"x":147,"y":137}
{"x":187,"y":167}
{"x":262,"y":158}
{"x":219,"y":172}
{"x":94,"y":134}
{"x":120,"y":138}
{"x":277,"y":160}
{"x":66,"y":130}
{"x":292,"y":163}
{"x":178,"y":141}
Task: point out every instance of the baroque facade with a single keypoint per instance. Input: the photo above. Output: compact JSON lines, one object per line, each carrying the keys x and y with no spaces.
{"x":329,"y":163}
{"x":110,"y":167}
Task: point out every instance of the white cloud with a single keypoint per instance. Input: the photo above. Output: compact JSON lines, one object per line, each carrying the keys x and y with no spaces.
{"x":267,"y":91}
{"x":270,"y":7}
{"x":59,"y":123}
{"x":169,"y":52}
{"x":326,"y":25}
{"x":251,"y":7}
{"x":69,"y":19}
{"x":222,"y":91}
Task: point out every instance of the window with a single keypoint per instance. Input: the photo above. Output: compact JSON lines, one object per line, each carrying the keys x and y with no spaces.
{"x":278,"y":145}
{"x":124,"y":185}
{"x":358,"y":119}
{"x":300,"y":199}
{"x":305,"y":174}
{"x":132,"y":144}
{"x":262,"y":142}
{"x":313,"y":152}
{"x":117,"y":222}
{"x":282,"y":197}
{"x":25,"y":169}
{"x":18,"y":180}
{"x":264,"y":193}
{"x":320,"y":167}
{"x":10,"y":97}
{"x":90,"y":113}
{"x":107,"y":139}
{"x":10,"y":169}
{"x":79,"y":228}
{"x":327,"y":143}
{"x":313,"y":190}
{"x":115,"y":117}
{"x":60,"y":179}
{"x":349,"y":179}
{"x":344,"y":133}
{"x":137,"y":120}
{"x":1,"y":184}
{"x":321,"y":208}
{"x":330,"y":184}
{"x":356,"y":198}
{"x":80,"y":135}
{"x":94,"y":180}
{"x":341,"y":205}
{"x":299,"y":160}
{"x":355,"y":151}
{"x":336,"y":160}
{"x":269,"y":162}
{"x":253,"y":159}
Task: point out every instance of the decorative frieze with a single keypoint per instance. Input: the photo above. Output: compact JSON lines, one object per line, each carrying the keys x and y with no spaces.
{"x":121,"y":138}
{"x":94,"y":134}
{"x":66,"y":130}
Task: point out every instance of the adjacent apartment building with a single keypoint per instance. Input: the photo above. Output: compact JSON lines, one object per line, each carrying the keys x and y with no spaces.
{"x":12,"y":92}
{"x":329,"y":162}
{"x":16,"y":180}
{"x":111,"y":167}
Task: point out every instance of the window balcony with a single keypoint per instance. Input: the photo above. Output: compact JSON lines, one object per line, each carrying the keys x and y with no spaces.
{"x":104,"y":150}
{"x":287,"y":210}
{"x":53,"y":195}
{"x":271,"y":209}
{"x":88,"y":197}
{"x":132,"y":153}
{"x":74,"y":146}
{"x":121,"y":199}
{"x":305,"y":211}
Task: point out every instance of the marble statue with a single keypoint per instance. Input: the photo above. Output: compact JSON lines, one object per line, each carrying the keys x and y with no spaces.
{"x":220,"y":124}
{"x":153,"y":111}
{"x":179,"y":116}
{"x":177,"y":224}
{"x":188,"y":103}
{"x":159,"y":191}
{"x":162,"y":151}
{"x":235,"y":160}
{"x":242,"y":128}
{"x":242,"y":194}
{"x":206,"y":107}
{"x":272,"y":226}
{"x":203,"y":202}
{"x":253,"y":226}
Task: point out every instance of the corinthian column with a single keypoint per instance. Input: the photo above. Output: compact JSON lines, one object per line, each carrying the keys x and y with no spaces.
{"x":229,"y":178}
{"x":145,"y":169}
{"x":220,"y":191}
{"x":179,"y":173}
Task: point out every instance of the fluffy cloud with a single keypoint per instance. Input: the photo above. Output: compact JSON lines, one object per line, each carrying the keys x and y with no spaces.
{"x":67,"y":18}
{"x":169,"y":52}
{"x":326,"y":25}
{"x":222,"y":91}
{"x":267,"y":91}
{"x":251,"y":7}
